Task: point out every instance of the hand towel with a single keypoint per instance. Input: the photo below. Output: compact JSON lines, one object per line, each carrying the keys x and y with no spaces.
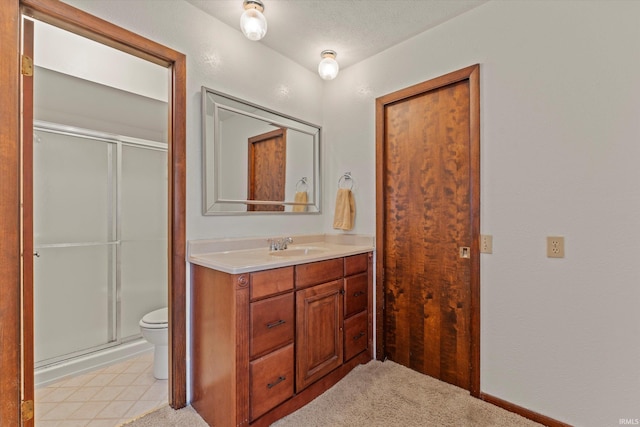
{"x":300,"y":197}
{"x":345,"y":213}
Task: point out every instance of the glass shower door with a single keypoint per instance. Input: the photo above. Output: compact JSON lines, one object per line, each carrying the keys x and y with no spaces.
{"x":143,"y":234}
{"x":75,"y":308}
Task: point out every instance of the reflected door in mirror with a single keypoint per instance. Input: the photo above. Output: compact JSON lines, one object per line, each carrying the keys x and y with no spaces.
{"x":267,"y":167}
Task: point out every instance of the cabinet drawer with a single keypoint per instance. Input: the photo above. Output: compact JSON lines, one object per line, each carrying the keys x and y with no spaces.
{"x":270,"y":381}
{"x":356,"y":264}
{"x":269,"y":282}
{"x":355,"y":294}
{"x":319,"y":272}
{"x":271,"y":324}
{"x":355,"y":335}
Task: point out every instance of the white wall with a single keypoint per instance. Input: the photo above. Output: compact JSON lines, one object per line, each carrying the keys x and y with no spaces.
{"x":560,"y":131}
{"x":96,"y":62}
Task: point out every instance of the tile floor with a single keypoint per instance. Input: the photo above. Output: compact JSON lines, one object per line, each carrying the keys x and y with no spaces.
{"x":106,"y":397}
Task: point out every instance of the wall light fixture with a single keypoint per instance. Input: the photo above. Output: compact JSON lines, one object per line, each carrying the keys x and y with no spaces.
{"x":328,"y":67}
{"x":252,"y":22}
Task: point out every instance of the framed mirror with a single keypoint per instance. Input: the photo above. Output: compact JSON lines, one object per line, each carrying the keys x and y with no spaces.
{"x":257,"y":160}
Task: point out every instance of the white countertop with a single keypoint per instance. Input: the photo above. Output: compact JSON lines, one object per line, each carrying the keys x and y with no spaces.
{"x":245,"y":255}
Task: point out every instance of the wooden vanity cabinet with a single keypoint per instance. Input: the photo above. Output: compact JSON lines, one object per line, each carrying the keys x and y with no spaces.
{"x":266,"y":343}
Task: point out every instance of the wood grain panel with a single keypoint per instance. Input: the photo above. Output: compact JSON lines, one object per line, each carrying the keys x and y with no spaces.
{"x":318,"y":272}
{"x":221,"y":334}
{"x":356,"y":294}
{"x":456,"y":233}
{"x":396,"y":256}
{"x":319,"y":331}
{"x":269,"y":282}
{"x":426,"y":170}
{"x":10,"y":335}
{"x":271,"y":380}
{"x":356,"y":264}
{"x":355,"y":335}
{"x":271,"y":324}
{"x":177,"y":230}
{"x":267,"y":167}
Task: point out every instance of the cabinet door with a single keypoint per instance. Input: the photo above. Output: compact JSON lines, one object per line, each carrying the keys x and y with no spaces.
{"x":319,"y":345}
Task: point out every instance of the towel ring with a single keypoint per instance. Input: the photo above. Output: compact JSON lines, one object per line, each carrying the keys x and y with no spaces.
{"x":302,"y":182}
{"x":342,"y":182}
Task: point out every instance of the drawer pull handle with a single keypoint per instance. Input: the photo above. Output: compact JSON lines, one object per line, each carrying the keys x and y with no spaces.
{"x":357,"y":337}
{"x":357,"y":294}
{"x":276,"y":382}
{"x":274,"y":324}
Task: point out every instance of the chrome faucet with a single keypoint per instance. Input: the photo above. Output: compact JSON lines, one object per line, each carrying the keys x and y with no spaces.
{"x":279,"y":244}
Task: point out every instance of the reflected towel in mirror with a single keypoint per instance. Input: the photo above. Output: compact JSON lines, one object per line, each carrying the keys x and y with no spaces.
{"x":345,"y":213}
{"x":300,"y":197}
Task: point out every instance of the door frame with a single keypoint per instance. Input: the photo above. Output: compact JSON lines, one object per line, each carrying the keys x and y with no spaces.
{"x":472,"y":74}
{"x":12,"y":345}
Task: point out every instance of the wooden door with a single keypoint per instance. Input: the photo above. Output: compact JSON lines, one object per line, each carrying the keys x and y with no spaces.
{"x":427,"y":227}
{"x":267,"y":169}
{"x":319,"y":323}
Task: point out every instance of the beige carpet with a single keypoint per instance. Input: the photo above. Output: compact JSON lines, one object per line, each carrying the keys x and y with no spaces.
{"x":375,"y":395}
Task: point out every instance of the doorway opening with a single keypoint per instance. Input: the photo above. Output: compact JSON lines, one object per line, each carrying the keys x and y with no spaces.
{"x":76,"y":21}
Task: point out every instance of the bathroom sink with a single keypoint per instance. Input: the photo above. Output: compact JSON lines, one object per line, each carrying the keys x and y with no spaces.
{"x":297,"y":252}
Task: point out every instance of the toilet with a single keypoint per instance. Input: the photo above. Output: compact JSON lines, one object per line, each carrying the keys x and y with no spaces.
{"x":155,"y":329}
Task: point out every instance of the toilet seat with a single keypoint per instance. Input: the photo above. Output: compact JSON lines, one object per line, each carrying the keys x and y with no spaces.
{"x":157,"y":319}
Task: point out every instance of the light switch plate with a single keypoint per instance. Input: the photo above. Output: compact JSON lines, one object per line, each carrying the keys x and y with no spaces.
{"x":486,"y":243}
{"x":555,"y":246}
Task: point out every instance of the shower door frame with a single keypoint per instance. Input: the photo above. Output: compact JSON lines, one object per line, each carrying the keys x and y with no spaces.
{"x":114,"y":144}
{"x":16,"y":313}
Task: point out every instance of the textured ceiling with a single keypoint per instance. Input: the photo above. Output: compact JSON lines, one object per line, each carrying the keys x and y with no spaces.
{"x":355,"y":29}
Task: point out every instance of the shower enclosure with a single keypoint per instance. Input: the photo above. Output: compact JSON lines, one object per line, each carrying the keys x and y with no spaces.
{"x":100,"y":239}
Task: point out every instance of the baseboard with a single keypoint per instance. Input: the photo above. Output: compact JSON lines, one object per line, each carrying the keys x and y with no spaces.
{"x":533,"y":416}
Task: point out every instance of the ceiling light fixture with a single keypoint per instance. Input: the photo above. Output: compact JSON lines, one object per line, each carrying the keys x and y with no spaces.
{"x":328,"y":67}
{"x":252,"y":22}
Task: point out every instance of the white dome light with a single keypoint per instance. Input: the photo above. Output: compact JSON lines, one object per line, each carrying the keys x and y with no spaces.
{"x":328,"y":67}
{"x":252,"y":22}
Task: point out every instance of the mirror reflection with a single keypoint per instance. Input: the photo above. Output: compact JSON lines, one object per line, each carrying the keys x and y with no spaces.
{"x":257,"y":160}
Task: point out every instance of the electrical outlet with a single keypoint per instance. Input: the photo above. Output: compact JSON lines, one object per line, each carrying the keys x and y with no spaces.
{"x":486,"y":243}
{"x":555,"y":246}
